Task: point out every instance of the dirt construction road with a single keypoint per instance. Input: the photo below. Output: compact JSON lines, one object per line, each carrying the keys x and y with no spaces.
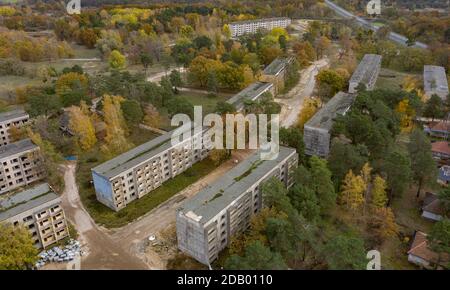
{"x":102,"y":251}
{"x":293,"y":101}
{"x":122,"y":248}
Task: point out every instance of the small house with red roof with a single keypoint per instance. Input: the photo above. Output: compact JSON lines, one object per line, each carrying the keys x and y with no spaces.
{"x":421,"y":255}
{"x":440,"y":150}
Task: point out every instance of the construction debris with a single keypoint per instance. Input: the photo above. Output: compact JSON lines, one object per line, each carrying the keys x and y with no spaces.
{"x":60,"y":254}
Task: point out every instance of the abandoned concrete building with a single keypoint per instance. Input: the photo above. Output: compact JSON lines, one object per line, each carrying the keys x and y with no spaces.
{"x":316,"y":132}
{"x":206,"y":222}
{"x":137,"y":172}
{"x":39,"y":210}
{"x":20,"y":164}
{"x":277,"y":72}
{"x":252,"y":26}
{"x":252,"y":93}
{"x":366,"y":73}
{"x":14,"y":118}
{"x":435,"y":81}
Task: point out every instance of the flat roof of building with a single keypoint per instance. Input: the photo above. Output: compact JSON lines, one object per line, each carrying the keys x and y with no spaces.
{"x":434,"y":78}
{"x":135,"y":156}
{"x":277,"y":65}
{"x":259,"y":20}
{"x":26,"y":200}
{"x":252,"y":92}
{"x":17,"y":113}
{"x":366,"y":68}
{"x":217,"y":196}
{"x":16,"y":147}
{"x":337,"y":105}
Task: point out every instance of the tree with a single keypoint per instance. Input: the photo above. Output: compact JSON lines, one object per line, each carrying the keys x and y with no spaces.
{"x":226,"y":31}
{"x":444,"y":198}
{"x":51,"y":160}
{"x":152,"y":116}
{"x":202,"y":41}
{"x":378,"y":192}
{"x":293,"y":137}
{"x":116,"y":60}
{"x":304,"y":53}
{"x":407,"y":113}
{"x":382,"y":223}
{"x":397,"y":166}
{"x":116,"y":141}
{"x":132,"y":111}
{"x":330,"y":82}
{"x":17,"y":250}
{"x":344,"y":157}
{"x":310,"y":107}
{"x":322,"y":183}
{"x":257,"y":257}
{"x":353,"y":188}
{"x":321,"y":45}
{"x":439,"y":239}
{"x":434,"y":108}
{"x":175,"y":79}
{"x":146,"y":60}
{"x":82,"y":127}
{"x":179,"y":105}
{"x":223,"y":108}
{"x":423,"y":166}
{"x":305,"y":201}
{"x":70,"y":82}
{"x":345,"y":252}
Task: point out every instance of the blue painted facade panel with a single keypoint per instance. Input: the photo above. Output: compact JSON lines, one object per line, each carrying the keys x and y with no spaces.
{"x":103,"y":189}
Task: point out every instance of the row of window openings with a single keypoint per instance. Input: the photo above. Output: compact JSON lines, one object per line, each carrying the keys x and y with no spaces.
{"x":7,"y":125}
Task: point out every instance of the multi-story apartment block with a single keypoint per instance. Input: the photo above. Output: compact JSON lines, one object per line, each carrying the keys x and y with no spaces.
{"x":366,"y":73}
{"x":137,"y":172}
{"x":20,"y":164}
{"x":435,"y":81}
{"x":276,"y":72}
{"x":252,"y":93}
{"x":39,"y":210}
{"x":14,"y":118}
{"x":316,"y":132}
{"x":206,"y":222}
{"x":252,"y":26}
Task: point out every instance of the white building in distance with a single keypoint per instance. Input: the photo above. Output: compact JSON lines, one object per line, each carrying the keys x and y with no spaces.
{"x":435,"y":81}
{"x":252,"y":26}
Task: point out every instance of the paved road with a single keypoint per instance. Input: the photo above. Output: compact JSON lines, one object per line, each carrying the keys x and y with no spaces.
{"x":400,"y":39}
{"x":293,"y":101}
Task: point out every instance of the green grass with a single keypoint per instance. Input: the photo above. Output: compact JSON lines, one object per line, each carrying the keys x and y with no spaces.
{"x":199,"y":99}
{"x":111,"y":219}
{"x":390,"y":79}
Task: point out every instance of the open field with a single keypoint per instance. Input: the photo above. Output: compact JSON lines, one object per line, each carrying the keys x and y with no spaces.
{"x":202,"y":99}
{"x":390,"y":79}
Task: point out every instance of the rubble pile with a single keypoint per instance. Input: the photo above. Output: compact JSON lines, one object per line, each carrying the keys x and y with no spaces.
{"x":60,"y":254}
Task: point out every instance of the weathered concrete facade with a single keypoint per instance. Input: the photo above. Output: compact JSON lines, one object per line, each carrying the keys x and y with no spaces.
{"x":137,"y":172}
{"x":252,"y":26}
{"x":207,"y":221}
{"x":435,"y":81}
{"x":316,"y":132}
{"x":20,"y":164}
{"x":366,"y":73}
{"x":15,"y":118}
{"x":39,"y":210}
